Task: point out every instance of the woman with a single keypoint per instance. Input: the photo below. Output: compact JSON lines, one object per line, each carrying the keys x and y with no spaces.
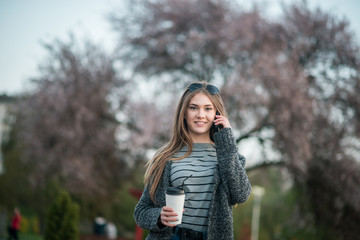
{"x":202,"y":160}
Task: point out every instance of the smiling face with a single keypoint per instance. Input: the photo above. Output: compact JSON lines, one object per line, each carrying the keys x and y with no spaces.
{"x":200,"y":115}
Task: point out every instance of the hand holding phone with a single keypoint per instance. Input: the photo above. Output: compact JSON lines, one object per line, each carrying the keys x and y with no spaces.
{"x":217,"y":127}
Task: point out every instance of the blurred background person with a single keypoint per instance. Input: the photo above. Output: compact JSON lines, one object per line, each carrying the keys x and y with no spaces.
{"x":15,"y":225}
{"x":99,"y":226}
{"x":111,"y":231}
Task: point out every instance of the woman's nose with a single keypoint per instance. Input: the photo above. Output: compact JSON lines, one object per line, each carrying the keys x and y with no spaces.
{"x":200,"y":113}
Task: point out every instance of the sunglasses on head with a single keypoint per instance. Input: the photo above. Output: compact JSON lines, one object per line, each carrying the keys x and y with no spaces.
{"x":210,"y":88}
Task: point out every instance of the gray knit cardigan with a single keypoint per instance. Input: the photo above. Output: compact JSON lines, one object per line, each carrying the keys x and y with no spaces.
{"x":232,"y":186}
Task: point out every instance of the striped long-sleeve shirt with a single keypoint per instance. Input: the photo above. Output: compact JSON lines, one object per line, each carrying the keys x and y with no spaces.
{"x":197,"y":173}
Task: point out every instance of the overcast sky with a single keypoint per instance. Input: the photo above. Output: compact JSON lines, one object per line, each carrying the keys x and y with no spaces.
{"x":25,"y":23}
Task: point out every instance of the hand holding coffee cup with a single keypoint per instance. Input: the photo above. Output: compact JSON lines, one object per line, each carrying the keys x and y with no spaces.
{"x":168,"y":216}
{"x":171,"y":214}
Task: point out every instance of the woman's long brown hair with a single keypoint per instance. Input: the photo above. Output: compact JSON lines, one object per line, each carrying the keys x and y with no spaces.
{"x":180,"y":138}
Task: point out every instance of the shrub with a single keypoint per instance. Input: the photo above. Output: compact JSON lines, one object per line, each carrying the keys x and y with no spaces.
{"x":62,"y":219}
{"x":24,"y":224}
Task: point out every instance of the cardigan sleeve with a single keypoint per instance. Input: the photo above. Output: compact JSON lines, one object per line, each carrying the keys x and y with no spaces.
{"x":146,"y":214}
{"x":231,"y":167}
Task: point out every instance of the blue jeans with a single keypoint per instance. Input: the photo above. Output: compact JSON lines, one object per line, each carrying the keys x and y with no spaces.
{"x":177,"y":236}
{"x":176,"y":232}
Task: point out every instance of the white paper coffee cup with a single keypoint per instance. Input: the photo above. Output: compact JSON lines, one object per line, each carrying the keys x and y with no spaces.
{"x":175,"y":199}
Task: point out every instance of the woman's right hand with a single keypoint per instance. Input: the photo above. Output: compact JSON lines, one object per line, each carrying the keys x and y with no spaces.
{"x":168,"y":215}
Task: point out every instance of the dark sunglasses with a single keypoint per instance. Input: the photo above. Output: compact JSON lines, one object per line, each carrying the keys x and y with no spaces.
{"x":210,"y":88}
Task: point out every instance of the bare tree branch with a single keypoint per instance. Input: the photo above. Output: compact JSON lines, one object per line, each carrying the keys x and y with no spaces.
{"x":265,"y":165}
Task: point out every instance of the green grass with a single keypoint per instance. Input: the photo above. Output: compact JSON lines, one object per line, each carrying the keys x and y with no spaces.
{"x":29,"y":236}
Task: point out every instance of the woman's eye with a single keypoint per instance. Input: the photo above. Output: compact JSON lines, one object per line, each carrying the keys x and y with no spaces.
{"x":208,"y":109}
{"x":193,"y":108}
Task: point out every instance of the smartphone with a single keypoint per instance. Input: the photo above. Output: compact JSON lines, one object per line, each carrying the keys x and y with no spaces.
{"x":216,"y":127}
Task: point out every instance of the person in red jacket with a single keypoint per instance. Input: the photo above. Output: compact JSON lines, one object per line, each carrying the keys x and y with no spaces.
{"x":15,"y":225}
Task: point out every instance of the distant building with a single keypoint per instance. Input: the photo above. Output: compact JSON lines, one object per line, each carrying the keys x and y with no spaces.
{"x":5,"y":104}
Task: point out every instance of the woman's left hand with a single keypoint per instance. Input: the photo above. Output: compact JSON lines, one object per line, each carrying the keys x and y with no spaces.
{"x":221,"y":120}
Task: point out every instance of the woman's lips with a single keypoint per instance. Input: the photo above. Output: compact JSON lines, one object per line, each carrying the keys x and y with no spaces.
{"x":200,"y":123}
